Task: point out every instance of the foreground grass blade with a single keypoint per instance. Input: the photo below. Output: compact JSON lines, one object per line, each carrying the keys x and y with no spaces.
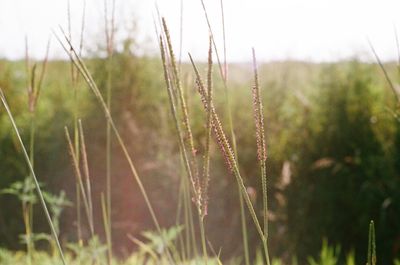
{"x":86,"y":170}
{"x":228,"y":155}
{"x":186,"y":131}
{"x":206,"y":157}
{"x":260,"y":138}
{"x":37,"y":186}
{"x":185,"y":157}
{"x":223,"y":70}
{"x":109,"y":32}
{"x":200,"y":187}
{"x":177,"y":98}
{"x":75,"y":163}
{"x":379,"y":61}
{"x":93,"y":87}
{"x":74,"y":82}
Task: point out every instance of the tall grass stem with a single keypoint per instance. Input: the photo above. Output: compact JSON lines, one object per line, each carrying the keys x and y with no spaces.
{"x":93,"y":87}
{"x":37,"y":186}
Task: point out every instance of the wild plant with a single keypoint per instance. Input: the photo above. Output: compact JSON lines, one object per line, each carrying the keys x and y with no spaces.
{"x":223,"y":70}
{"x":228,"y":155}
{"x":109,"y":29}
{"x":35,"y":180}
{"x":74,"y":84}
{"x":80,"y":65}
{"x":199,"y":186}
{"x":25,"y":189}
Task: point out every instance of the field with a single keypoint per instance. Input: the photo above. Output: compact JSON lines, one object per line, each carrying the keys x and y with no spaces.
{"x":121,"y":158}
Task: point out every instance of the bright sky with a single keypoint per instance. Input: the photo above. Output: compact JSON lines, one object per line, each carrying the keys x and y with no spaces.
{"x":317,"y":30}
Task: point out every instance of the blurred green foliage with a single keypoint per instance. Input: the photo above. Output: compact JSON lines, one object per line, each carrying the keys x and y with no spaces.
{"x":345,"y":174}
{"x":333,"y":153}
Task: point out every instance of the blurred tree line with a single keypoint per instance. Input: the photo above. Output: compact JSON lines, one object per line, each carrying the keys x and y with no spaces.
{"x":333,"y":140}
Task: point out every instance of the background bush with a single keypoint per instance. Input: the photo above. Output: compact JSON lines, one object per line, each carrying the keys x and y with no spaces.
{"x":333,"y":152}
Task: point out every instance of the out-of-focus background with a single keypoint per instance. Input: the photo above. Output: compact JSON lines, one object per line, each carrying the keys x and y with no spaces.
{"x":331,"y":118}
{"x":301,"y":30}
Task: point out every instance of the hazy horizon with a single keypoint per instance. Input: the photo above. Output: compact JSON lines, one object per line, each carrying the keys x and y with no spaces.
{"x":311,"y":30}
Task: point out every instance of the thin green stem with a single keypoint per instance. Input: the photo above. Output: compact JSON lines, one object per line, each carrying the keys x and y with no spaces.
{"x":105,"y":221}
{"x":180,"y":241}
{"x":92,"y":85}
{"x":26,"y":218}
{"x":108,"y":162}
{"x":180,"y":35}
{"x":32,"y":140}
{"x":37,"y":186}
{"x":386,"y":74}
{"x":183,"y":200}
{"x":109,"y":38}
{"x":203,"y":239}
{"x":371,"y":259}
{"x":76,"y":144}
{"x":86,"y":172}
{"x":261,"y":146}
{"x":181,"y":101}
{"x":191,"y":220}
{"x":265,"y":198}
{"x":78,"y":174}
{"x":75,"y":122}
{"x":182,"y":147}
{"x":29,"y":206}
{"x":244,"y":228}
{"x":228,"y":153}
{"x":224,"y":75}
{"x":188,"y":227}
{"x":191,"y":235}
{"x":266,"y":252}
{"x":26,"y":206}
